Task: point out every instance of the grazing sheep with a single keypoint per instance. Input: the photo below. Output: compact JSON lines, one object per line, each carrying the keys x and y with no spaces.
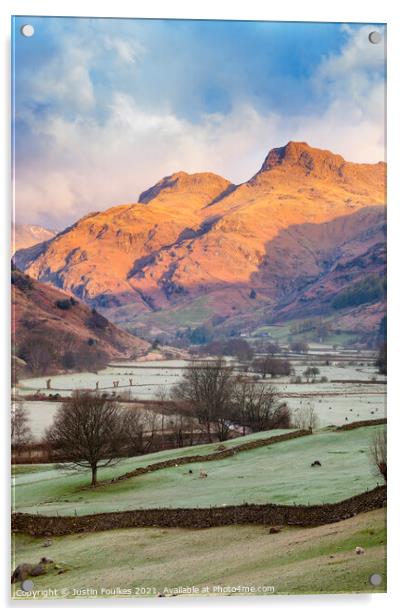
{"x":203,"y":474}
{"x":359,"y":550}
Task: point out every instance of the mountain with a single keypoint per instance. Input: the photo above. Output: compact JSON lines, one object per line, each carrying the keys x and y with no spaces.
{"x":195,"y":247}
{"x":51,"y":330}
{"x":25,"y":236}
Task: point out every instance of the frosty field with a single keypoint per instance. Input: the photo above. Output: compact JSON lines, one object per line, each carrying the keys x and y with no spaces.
{"x":280,"y":473}
{"x":335,"y":402}
{"x":146,"y":560}
{"x":148,"y":377}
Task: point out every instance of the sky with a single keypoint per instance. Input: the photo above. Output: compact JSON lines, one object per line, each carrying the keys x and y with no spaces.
{"x":104,"y":108}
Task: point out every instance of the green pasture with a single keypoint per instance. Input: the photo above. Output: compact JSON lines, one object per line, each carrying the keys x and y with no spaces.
{"x":279,"y":473}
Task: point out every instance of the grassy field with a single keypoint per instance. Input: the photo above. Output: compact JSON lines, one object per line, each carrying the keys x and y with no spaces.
{"x":281,"y":333}
{"x":280,"y":473}
{"x":197,"y":312}
{"x":25,"y":469}
{"x":308,"y":560}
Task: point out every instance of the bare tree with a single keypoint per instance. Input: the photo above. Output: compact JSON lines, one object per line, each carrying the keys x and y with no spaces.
{"x":181,"y":426}
{"x":381,"y":361}
{"x":140,"y":427}
{"x":88,"y":432}
{"x":256,"y":406}
{"x":38,"y":352}
{"x":163,"y":398}
{"x":274,"y":366}
{"x":299,"y":347}
{"x":205,"y":391}
{"x":20,"y":431}
{"x":242,"y":391}
{"x":305,"y":417}
{"x":378,"y":452}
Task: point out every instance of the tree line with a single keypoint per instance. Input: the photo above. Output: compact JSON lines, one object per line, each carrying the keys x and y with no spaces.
{"x":90,"y":431}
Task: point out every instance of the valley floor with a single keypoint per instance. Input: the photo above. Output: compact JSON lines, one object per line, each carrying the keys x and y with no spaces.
{"x":235,"y":559}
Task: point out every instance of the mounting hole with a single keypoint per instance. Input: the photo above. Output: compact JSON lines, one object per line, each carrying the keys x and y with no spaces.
{"x":375,"y":37}
{"x":27,"y":585}
{"x":375,"y":579}
{"x":27,"y":30}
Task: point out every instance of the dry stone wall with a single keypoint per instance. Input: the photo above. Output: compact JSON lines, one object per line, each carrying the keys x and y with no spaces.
{"x":216,"y":455}
{"x":270,"y":514}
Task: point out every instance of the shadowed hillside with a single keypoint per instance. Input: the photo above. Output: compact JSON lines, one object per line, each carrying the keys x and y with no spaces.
{"x":51,"y":331}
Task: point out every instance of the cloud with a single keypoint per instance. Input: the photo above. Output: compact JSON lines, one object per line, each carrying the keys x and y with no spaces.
{"x":86,"y":162}
{"x":65,"y":81}
{"x":129,"y":51}
{"x":357,"y":56}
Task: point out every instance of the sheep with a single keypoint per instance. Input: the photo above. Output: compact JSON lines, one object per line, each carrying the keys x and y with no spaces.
{"x":203,"y":474}
{"x":359,"y":550}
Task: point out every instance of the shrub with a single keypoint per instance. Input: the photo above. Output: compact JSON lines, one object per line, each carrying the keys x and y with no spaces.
{"x":311,"y":372}
{"x":63,"y":304}
{"x":21,"y":281}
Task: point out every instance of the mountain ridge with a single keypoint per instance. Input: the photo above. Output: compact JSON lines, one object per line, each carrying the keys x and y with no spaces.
{"x":25,"y":236}
{"x":192,"y":234}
